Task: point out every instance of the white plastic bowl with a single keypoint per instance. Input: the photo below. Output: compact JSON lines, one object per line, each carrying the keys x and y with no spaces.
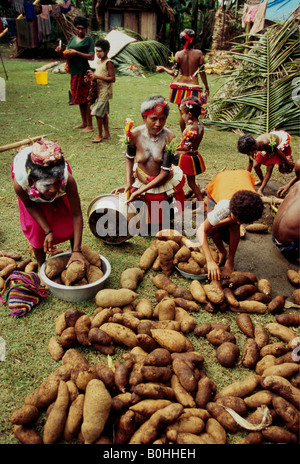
{"x":80,"y":293}
{"x":192,"y":276}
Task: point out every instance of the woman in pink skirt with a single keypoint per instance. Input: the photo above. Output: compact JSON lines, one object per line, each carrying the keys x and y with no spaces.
{"x":49,"y":204}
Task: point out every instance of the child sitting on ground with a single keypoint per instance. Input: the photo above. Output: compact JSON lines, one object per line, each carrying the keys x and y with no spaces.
{"x":105,"y":76}
{"x":232,"y":201}
{"x":267,"y":149}
{"x":187,"y":156}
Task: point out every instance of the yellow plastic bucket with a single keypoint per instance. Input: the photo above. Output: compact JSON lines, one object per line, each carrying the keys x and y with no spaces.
{"x":41,"y":78}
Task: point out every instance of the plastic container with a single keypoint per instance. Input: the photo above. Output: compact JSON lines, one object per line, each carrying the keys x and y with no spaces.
{"x":73,"y":293}
{"x":41,"y":77}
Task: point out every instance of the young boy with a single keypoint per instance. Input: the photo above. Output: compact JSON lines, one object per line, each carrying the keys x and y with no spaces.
{"x":105,"y":76}
{"x":233,"y":201}
{"x":187,"y":156}
{"x":267,"y":149}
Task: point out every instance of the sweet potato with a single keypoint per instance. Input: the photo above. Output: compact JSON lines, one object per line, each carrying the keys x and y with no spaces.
{"x":214,"y":292}
{"x":55,"y":348}
{"x":240,"y":388}
{"x":247,"y":306}
{"x":55,"y":423}
{"x":148,"y":407}
{"x":82,"y":328}
{"x":146,"y":342}
{"x":91,"y":256}
{"x":227,"y":354}
{"x":261,"y":336}
{"x":182,"y":255}
{"x":250,"y":355}
{"x":148,"y":431}
{"x":183,"y":424}
{"x":218,"y":336}
{"x":276,"y":349}
{"x":109,"y":297}
{"x":165,"y":253}
{"x":125,"y":428}
{"x":187,"y":322}
{"x":24,"y":415}
{"x":148,"y":258}
{"x":172,"y":340}
{"x":98,"y":336}
{"x":190,"y":267}
{"x":286,"y":370}
{"x":264,"y":286}
{"x":294,"y":277}
{"x":278,"y":434}
{"x":235,"y":403}
{"x":244,"y":323}
{"x":281,"y":331}
{"x":158,"y":357}
{"x":156,"y":373}
{"x":96,"y":409}
{"x":257,"y":227}
{"x":181,"y":394}
{"x":101,"y":317}
{"x":55,"y":266}
{"x":27,"y":435}
{"x":244,"y":291}
{"x":43,"y":395}
{"x":182,"y":292}
{"x":144,"y":308}
{"x":71,"y":316}
{"x":230,"y":298}
{"x":22,"y":264}
{"x":6,"y":261}
{"x":74,"y":418}
{"x":154,"y":390}
{"x":162,"y":281}
{"x":276,"y":304}
{"x":188,"y":305}
{"x":216,"y":430}
{"x":288,"y":319}
{"x":288,"y":412}
{"x":106,"y":374}
{"x":165,"y":309}
{"x":120,"y":334}
{"x":205,"y":392}
{"x":93,"y":273}
{"x":60,"y":324}
{"x":238,"y":279}
{"x":296,"y":296}
{"x":253,"y":438}
{"x":261,"y":297}
{"x":198,"y":292}
{"x":199,"y":257}
{"x":222,"y":416}
{"x":283,"y":387}
{"x":131,"y":277}
{"x":73,"y":358}
{"x":185,"y":374}
{"x":169,"y":234}
{"x":68,"y":337}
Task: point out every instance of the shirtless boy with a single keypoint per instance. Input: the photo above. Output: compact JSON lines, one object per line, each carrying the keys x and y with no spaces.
{"x":188,"y":62}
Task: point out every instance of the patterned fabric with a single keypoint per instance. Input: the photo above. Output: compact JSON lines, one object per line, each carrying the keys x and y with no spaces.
{"x":46,"y":153}
{"x":192,"y":164}
{"x":80,"y":90}
{"x":23,"y":292}
{"x":179,"y":92}
{"x":267,"y":159}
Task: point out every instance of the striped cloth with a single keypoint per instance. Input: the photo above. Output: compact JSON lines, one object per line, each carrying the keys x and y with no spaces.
{"x":23,"y":292}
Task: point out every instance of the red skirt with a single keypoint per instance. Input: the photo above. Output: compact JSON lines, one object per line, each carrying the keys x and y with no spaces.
{"x":80,"y":90}
{"x":190,"y":165}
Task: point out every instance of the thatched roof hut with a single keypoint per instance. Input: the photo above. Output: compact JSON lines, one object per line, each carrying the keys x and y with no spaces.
{"x":146,"y":17}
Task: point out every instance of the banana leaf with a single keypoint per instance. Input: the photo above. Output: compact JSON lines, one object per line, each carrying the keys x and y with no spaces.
{"x":257,"y":96}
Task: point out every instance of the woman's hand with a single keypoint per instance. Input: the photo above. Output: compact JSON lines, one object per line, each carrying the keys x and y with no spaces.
{"x":48,"y":243}
{"x":72,"y":52}
{"x":78,"y":256}
{"x":213,"y":271}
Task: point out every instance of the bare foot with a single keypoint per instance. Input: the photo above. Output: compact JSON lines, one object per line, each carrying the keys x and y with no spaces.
{"x":257,"y":183}
{"x":97,"y":140}
{"x":227,"y":270}
{"x":80,"y":126}
{"x":88,"y":129}
{"x":260,"y":192}
{"x":222,"y":258}
{"x":106,"y":136}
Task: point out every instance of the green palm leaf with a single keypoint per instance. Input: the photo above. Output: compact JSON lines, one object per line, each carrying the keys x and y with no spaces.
{"x":257,"y":96}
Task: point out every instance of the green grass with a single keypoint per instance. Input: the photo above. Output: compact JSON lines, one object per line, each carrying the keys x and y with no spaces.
{"x":31,"y":110}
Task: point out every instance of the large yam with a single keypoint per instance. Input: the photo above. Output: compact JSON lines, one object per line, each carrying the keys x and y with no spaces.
{"x":120,"y":334}
{"x":115,"y":298}
{"x":172,"y":340}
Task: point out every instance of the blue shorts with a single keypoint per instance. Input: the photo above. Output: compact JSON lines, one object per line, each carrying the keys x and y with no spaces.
{"x":290,"y":250}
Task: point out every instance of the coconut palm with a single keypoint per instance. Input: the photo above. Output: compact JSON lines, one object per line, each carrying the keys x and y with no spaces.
{"x":257,"y":94}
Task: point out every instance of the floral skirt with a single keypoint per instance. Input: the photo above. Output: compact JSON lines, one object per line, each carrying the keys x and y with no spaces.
{"x":80,"y":90}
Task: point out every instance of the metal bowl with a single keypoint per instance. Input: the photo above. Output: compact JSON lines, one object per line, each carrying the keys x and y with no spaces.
{"x":192,"y":276}
{"x":115,"y":214}
{"x":80,"y":293}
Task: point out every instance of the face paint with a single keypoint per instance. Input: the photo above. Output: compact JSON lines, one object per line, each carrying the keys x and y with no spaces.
{"x":49,"y":187}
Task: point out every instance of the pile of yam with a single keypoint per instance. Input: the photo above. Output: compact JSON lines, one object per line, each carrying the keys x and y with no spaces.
{"x":158,"y":390}
{"x":12,"y":261}
{"x":75,"y":274}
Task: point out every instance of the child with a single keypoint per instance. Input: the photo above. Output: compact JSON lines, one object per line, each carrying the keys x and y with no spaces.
{"x":267,"y":149}
{"x":187,"y":156}
{"x":233,"y":201}
{"x":105,"y":76}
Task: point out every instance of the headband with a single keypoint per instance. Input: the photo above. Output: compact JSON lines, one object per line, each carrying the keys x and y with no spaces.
{"x":189,"y":102}
{"x":46,"y":153}
{"x":158,"y":109}
{"x":189,"y":39}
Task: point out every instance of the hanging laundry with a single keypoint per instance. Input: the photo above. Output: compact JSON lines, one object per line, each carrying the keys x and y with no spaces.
{"x":18,"y":5}
{"x":55,"y":12}
{"x":65,"y":7}
{"x":26,"y":33}
{"x":11,"y":24}
{"x":29,"y":11}
{"x":45,"y":11}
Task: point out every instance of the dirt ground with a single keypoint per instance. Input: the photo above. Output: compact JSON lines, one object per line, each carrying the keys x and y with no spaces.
{"x":257,"y":253}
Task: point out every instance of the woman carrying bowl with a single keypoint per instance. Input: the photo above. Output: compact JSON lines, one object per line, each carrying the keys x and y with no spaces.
{"x":79,"y":51}
{"x":49,"y":203}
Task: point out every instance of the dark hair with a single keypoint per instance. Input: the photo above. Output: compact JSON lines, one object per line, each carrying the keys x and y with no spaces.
{"x":80,"y":21}
{"x":194,"y":109}
{"x":246,"y":143}
{"x":103,"y":43}
{"x":246,"y":206}
{"x":150,"y":103}
{"x":37,"y":172}
{"x":190,"y":33}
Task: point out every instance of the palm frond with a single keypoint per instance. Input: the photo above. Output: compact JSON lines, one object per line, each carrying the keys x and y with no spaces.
{"x":257,"y":95}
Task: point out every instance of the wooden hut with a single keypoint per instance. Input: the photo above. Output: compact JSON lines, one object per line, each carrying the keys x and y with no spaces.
{"x":146,"y":17}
